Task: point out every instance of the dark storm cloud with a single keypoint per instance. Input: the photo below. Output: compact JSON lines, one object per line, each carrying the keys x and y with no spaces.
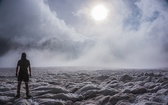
{"x":28,"y":25}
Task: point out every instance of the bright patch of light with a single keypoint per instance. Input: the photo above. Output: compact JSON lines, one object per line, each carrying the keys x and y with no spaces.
{"x":99,"y":12}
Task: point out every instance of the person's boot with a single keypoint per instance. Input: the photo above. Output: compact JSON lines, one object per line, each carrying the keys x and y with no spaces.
{"x":28,"y":95}
{"x":18,"y":94}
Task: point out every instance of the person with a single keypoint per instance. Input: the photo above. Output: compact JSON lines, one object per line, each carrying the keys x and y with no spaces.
{"x":22,"y":74}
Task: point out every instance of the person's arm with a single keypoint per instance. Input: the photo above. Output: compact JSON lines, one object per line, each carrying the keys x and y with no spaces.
{"x":17,"y":70}
{"x":30,"y":70}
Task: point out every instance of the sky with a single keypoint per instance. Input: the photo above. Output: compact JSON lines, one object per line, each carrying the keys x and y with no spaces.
{"x":63,"y":33}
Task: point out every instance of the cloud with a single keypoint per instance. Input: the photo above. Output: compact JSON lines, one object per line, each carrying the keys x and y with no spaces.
{"x":31,"y":25}
{"x":133,"y":35}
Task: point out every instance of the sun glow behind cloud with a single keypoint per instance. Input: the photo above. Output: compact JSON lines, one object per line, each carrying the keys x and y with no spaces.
{"x":99,"y":12}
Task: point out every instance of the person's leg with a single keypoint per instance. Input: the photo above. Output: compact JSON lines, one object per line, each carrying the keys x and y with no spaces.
{"x":18,"y":88}
{"x":26,"y":80}
{"x":27,"y":89}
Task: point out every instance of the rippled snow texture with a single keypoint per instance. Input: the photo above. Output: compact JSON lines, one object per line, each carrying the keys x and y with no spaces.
{"x":87,"y":86}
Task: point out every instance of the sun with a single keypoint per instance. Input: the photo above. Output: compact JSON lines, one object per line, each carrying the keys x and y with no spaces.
{"x":99,"y":12}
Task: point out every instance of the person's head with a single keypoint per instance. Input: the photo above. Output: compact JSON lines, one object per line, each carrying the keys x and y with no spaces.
{"x":23,"y":55}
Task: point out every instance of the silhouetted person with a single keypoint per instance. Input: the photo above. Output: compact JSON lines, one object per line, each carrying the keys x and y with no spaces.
{"x":22,"y":66}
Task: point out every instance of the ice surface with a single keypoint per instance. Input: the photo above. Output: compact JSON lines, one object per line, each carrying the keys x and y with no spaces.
{"x":87,"y":86}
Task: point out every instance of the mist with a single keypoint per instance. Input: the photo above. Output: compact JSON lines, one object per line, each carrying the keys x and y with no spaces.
{"x":134,"y":34}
